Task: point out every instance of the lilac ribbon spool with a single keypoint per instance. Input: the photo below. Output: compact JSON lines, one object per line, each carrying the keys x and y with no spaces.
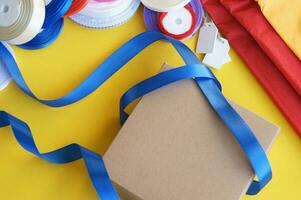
{"x":151,"y":17}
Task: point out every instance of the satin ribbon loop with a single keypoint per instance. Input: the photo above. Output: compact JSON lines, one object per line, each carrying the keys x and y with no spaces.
{"x":104,"y":71}
{"x":52,"y":26}
{"x":160,"y":80}
{"x":203,"y":77}
{"x":94,"y":162}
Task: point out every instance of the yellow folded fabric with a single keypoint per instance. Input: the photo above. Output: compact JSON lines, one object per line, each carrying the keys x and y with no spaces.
{"x":285,"y":17}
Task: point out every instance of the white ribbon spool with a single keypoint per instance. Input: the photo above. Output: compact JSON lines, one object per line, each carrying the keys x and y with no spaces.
{"x":106,"y":14}
{"x":47,"y":2}
{"x":21,"y":20}
{"x":178,"y":22}
{"x":165,"y":5}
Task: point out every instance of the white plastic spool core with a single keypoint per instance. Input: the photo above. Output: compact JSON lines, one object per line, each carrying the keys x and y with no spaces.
{"x":165,"y":5}
{"x":178,"y":22}
{"x":9,"y":12}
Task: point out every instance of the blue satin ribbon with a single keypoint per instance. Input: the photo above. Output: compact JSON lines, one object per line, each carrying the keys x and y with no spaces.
{"x":160,"y":80}
{"x":103,"y":72}
{"x":46,"y":37}
{"x":194,"y":69}
{"x":55,"y":10}
{"x":239,"y":129}
{"x":94,"y":162}
{"x":52,"y":26}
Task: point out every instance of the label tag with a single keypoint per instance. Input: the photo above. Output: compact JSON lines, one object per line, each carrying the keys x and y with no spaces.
{"x":220,"y":54}
{"x":227,"y":59}
{"x":207,"y":38}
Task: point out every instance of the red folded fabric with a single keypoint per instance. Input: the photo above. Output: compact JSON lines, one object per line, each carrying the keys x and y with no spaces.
{"x":257,"y":60}
{"x":249,"y":15}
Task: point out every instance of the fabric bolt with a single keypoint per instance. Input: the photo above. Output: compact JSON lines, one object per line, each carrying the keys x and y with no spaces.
{"x":266,"y":72}
{"x":270,"y":42}
{"x":285,"y":17}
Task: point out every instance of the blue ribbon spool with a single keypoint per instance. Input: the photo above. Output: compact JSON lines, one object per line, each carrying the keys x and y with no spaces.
{"x":45,"y":37}
{"x":52,"y":26}
{"x":193,"y":69}
{"x":55,"y":10}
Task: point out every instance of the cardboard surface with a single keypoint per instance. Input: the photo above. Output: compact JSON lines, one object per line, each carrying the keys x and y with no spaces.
{"x":174,"y":147}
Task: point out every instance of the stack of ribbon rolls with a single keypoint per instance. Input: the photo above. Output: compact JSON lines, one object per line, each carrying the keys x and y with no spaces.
{"x":35,"y":24}
{"x":179,"y":19}
{"x":106,"y":13}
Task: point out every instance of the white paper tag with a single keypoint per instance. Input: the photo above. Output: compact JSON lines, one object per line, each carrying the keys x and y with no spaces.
{"x":227,"y":59}
{"x":220,"y":54}
{"x":207,"y":38}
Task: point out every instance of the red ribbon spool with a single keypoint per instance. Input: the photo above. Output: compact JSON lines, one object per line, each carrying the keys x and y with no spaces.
{"x":182,"y":35}
{"x":76,"y":7}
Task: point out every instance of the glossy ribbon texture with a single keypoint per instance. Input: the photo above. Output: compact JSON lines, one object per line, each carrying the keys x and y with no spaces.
{"x":70,"y":153}
{"x":52,"y":26}
{"x":152,"y":24}
{"x":193,"y":69}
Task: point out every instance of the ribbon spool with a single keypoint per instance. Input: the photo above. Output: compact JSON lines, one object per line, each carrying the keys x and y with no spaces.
{"x":55,"y":10}
{"x":178,"y":24}
{"x":5,"y":77}
{"x":164,"y":5}
{"x":106,"y":14}
{"x":21,"y":20}
{"x":152,"y":21}
{"x":53,"y":24}
{"x":47,"y":2}
{"x":76,"y":6}
{"x":45,"y":37}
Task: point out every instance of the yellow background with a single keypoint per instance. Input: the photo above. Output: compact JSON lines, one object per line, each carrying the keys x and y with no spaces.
{"x":93,"y":122}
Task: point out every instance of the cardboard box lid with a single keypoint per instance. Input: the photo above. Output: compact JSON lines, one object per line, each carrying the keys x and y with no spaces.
{"x":175,"y":147}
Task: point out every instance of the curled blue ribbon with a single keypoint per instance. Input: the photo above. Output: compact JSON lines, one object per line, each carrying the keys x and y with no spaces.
{"x":94,"y":162}
{"x":194,"y":69}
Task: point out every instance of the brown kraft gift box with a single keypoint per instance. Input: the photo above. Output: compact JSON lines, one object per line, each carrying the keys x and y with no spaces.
{"x":175,"y":147}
